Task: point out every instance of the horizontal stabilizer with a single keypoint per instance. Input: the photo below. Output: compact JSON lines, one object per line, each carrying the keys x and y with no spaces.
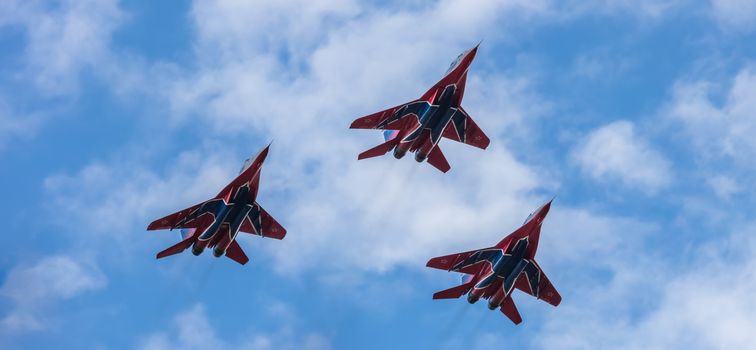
{"x":176,"y":248}
{"x":509,"y":309}
{"x":379,"y":150}
{"x":454,"y":292}
{"x":235,"y":253}
{"x":437,"y":159}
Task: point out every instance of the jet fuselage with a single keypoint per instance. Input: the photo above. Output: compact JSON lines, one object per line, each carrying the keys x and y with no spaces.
{"x":229,"y":214}
{"x":505,"y":268}
{"x":432,"y":120}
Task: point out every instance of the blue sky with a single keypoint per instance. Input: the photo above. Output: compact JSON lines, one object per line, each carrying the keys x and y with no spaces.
{"x":637,"y":115}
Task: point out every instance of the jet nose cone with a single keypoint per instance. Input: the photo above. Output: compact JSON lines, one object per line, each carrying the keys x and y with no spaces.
{"x":264,"y":152}
{"x":546,"y":207}
{"x":473,"y":51}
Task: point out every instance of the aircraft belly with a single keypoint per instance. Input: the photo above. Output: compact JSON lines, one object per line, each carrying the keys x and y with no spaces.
{"x":236,"y":224}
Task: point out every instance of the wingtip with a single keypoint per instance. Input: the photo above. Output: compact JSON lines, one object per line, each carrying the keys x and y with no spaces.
{"x":443,"y":169}
{"x":486,"y":143}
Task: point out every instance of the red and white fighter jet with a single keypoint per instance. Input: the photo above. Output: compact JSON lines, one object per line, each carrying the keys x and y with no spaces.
{"x":216,"y":222}
{"x":418,"y":126}
{"x":494,"y":273}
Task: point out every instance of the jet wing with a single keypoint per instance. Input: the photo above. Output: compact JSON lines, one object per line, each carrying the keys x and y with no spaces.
{"x":170,"y":221}
{"x":265,"y":225}
{"x":534,"y":282}
{"x":447,"y":262}
{"x":463,"y":129}
{"x":467,"y":262}
{"x":389,"y":119}
{"x":177,"y":248}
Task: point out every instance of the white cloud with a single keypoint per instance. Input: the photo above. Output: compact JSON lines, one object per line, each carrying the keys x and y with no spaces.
{"x":32,"y":287}
{"x":615,"y":152}
{"x":111,"y":198}
{"x":63,"y":38}
{"x":56,"y":277}
{"x":703,"y":304}
{"x":720,"y":121}
{"x":240,"y":29}
{"x":327,"y":196}
{"x":737,"y":14}
{"x":724,"y":186}
{"x":14,"y":125}
{"x":20,"y":321}
{"x":193,"y":330}
{"x":366,"y":63}
{"x":602,"y":64}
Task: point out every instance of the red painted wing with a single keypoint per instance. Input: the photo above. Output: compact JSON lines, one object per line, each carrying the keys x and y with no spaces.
{"x":374,"y":121}
{"x":446,"y":262}
{"x":169,"y":222}
{"x":546,"y":290}
{"x":269,"y":226}
{"x":462,"y":128}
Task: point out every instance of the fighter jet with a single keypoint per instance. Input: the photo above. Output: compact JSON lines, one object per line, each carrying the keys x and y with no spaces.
{"x":216,"y":222}
{"x":493,"y":273}
{"x":418,"y":126}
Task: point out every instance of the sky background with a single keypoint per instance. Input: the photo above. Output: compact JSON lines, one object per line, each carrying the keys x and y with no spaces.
{"x":637,"y":115}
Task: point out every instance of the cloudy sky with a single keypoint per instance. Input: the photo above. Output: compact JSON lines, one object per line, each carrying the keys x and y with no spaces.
{"x":638,"y":116}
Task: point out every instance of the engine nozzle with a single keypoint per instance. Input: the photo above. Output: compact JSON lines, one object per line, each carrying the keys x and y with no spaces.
{"x":399,"y":152}
{"x":420,"y":157}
